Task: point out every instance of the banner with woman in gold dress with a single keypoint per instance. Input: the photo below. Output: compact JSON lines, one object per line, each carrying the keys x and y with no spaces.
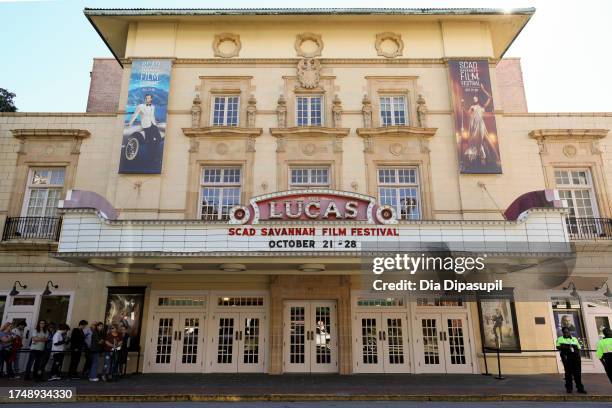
{"x":475,"y":128}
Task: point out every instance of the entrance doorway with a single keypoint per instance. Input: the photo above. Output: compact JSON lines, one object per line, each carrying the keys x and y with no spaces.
{"x":441,"y":344}
{"x":381,"y":343}
{"x":310,"y":338}
{"x":238,"y":342}
{"x":177,"y":342}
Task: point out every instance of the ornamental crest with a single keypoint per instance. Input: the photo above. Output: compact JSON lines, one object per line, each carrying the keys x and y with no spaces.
{"x":309,"y":73}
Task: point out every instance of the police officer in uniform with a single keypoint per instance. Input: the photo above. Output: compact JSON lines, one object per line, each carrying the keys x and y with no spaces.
{"x":604,"y":351}
{"x":570,"y":356}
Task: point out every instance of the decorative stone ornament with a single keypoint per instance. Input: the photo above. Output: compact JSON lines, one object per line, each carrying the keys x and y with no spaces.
{"x":309,"y":73}
{"x":251,"y":111}
{"x":337,"y":112}
{"x":366,"y":111}
{"x":227,"y":45}
{"x":389,"y":45}
{"x":281,"y":112}
{"x":308,"y":45}
{"x":196,"y":111}
{"x":421,"y":111}
{"x":570,"y":150}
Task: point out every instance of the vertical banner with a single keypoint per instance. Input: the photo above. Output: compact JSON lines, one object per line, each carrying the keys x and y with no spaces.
{"x":475,"y":128}
{"x":144,"y":128}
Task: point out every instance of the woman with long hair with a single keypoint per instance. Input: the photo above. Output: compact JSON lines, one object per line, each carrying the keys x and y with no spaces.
{"x":39,"y":337}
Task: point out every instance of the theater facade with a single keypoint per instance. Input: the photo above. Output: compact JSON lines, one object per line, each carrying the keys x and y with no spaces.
{"x":237,"y":171}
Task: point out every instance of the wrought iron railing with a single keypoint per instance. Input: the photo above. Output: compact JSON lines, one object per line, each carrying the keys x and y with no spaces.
{"x":45,"y":228}
{"x":589,"y":228}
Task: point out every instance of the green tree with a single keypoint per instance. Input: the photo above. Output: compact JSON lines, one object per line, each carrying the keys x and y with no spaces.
{"x":6,"y":101}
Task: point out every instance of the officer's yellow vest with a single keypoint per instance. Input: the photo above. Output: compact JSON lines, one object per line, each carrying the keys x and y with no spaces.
{"x":604,"y":346}
{"x":572,"y":341}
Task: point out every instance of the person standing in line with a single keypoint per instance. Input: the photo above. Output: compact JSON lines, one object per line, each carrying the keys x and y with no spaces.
{"x":125,"y":344}
{"x":87,"y":333}
{"x":112,"y":346}
{"x":18,"y":340}
{"x":97,"y":342}
{"x":60,"y":340}
{"x":77,"y":346}
{"x":6,"y":348}
{"x":604,"y":351}
{"x":37,"y":351}
{"x":48,"y":346}
{"x":569,"y":347}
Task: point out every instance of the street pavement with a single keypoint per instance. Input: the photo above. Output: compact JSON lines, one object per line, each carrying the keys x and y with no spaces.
{"x":327,"y":404}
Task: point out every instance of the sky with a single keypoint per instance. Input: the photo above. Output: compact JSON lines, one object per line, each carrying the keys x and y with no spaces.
{"x":47,"y":47}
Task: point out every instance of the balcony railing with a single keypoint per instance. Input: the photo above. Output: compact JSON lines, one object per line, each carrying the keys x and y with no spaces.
{"x":589,"y":228}
{"x":32,"y":228}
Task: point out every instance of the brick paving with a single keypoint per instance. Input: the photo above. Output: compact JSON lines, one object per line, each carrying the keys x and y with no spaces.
{"x":294,"y":386}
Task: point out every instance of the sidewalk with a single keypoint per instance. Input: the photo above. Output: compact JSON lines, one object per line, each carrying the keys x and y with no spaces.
{"x":258,"y":387}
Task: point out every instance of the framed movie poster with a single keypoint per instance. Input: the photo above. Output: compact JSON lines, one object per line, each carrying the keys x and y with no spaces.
{"x":498,"y":325}
{"x":144,"y":129}
{"x":475,"y":127}
{"x":124,"y":306}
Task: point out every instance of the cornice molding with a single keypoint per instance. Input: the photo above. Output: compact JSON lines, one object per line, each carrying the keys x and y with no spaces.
{"x":222,"y":131}
{"x":50,"y":133}
{"x":396,"y":131}
{"x":543,"y":134}
{"x":293,"y":61}
{"x":309,"y":131}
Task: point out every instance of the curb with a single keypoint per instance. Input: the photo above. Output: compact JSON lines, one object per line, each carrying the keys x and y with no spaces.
{"x":340,"y":397}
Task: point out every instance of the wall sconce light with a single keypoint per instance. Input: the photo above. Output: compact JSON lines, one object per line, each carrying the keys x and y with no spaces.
{"x":14,"y":291}
{"x":572,"y":286}
{"x":47,"y":291}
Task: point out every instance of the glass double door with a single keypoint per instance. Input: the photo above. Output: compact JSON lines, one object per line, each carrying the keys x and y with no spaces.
{"x":442,"y":344}
{"x":381,"y":343}
{"x":238,"y":342}
{"x":310,"y":342}
{"x":178,"y":342}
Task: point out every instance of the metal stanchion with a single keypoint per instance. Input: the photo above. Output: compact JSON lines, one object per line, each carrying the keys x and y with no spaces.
{"x":499,"y":373}
{"x":484,"y":355}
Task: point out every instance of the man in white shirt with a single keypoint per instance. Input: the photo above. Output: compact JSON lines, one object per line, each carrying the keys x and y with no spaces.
{"x":152,"y":149}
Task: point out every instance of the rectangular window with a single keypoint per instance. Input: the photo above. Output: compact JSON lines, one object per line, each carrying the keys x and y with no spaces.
{"x":303,"y":177}
{"x":399,"y":188}
{"x":309,"y":110}
{"x":225,"y":110}
{"x":393,"y":110}
{"x":43,"y":191}
{"x":576,"y":187}
{"x":220,"y":191}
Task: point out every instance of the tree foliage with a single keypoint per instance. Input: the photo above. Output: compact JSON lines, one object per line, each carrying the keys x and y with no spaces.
{"x":6,"y":101}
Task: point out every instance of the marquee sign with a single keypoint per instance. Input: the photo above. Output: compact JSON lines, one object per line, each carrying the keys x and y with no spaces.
{"x":313,"y":205}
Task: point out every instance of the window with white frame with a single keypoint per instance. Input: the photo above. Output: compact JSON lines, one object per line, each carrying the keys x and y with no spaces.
{"x":309,"y":110}
{"x":220,"y":191}
{"x":393,"y":110}
{"x":43,"y":192}
{"x":225,"y":110}
{"x":399,"y":188}
{"x":576,"y":187}
{"x":304,"y":177}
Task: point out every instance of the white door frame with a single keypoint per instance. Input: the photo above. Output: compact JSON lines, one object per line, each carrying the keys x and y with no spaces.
{"x":382,"y":341}
{"x":215,"y":310}
{"x":443,"y":311}
{"x":155,"y":311}
{"x":312,"y":338}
